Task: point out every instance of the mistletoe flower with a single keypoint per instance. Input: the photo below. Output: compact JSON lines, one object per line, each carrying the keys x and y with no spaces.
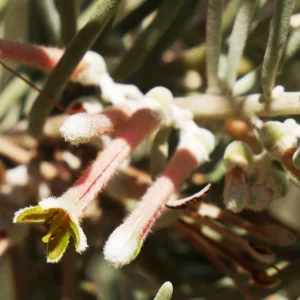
{"x":194,"y":148}
{"x":63,"y":215}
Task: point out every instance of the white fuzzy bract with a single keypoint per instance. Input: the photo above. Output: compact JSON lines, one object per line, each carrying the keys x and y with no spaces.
{"x":78,"y":128}
{"x":121,"y":247}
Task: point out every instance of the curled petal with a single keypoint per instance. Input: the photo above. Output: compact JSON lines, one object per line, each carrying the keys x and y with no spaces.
{"x":61,"y":224}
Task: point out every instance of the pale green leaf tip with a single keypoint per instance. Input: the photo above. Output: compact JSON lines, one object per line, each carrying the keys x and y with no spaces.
{"x":165,"y":292}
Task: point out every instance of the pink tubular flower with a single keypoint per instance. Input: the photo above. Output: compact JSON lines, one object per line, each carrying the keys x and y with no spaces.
{"x":125,"y":242}
{"x":62,"y":215}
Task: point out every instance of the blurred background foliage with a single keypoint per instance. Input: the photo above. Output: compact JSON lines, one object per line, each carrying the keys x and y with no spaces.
{"x":147,"y":43}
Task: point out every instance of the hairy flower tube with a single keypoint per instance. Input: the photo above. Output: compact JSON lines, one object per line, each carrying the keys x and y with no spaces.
{"x":125,"y":243}
{"x":62,"y":215}
{"x":238,"y":160}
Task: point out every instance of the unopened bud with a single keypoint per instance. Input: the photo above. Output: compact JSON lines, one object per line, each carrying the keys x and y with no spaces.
{"x":236,"y":194}
{"x":238,"y":160}
{"x":277,"y":138}
{"x":261,"y":194}
{"x":238,"y":154}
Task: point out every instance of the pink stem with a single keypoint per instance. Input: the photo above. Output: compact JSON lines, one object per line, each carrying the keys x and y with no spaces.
{"x":42,"y":58}
{"x":182,"y":164}
{"x":139,"y":126}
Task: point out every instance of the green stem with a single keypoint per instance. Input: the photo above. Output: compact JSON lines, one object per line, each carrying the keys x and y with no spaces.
{"x":276,"y":42}
{"x":238,"y":40}
{"x":213,"y":44}
{"x":76,"y":49}
{"x":68,"y":12}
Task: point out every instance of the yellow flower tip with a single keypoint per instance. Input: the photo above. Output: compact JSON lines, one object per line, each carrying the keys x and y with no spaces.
{"x":31,"y":214}
{"x":61,"y":224}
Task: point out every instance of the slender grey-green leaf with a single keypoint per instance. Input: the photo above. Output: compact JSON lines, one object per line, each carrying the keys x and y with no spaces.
{"x":49,"y":17}
{"x":165,"y":292}
{"x":68,"y":12}
{"x":58,"y":79}
{"x":238,"y":39}
{"x":213,"y":44}
{"x":138,"y":53}
{"x":229,"y":16}
{"x":276,"y":42}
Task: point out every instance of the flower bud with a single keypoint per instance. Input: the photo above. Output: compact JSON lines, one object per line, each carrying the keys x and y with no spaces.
{"x":277,"y":138}
{"x":261,"y":194}
{"x":238,"y":160}
{"x":238,"y":154}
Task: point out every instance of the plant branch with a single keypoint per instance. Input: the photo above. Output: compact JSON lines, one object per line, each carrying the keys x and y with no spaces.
{"x":206,"y":106}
